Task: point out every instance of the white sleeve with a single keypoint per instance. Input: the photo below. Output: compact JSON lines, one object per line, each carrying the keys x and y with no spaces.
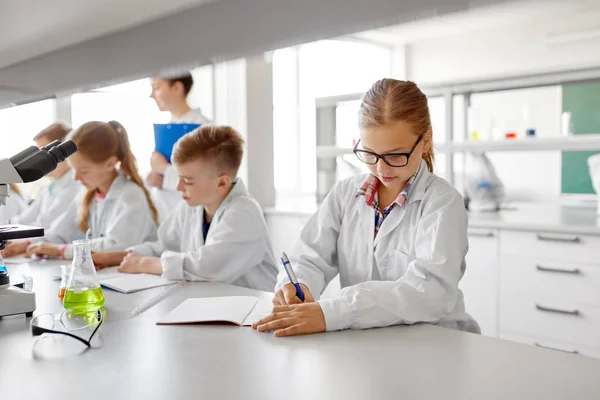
{"x":232,"y":248}
{"x":314,"y":258}
{"x":169,"y":233}
{"x":30,"y":214}
{"x":65,"y":229}
{"x":170,"y":178}
{"x":129,"y":227}
{"x":428,"y":290}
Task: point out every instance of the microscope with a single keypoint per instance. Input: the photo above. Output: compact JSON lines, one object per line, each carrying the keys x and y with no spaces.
{"x":28,"y":165}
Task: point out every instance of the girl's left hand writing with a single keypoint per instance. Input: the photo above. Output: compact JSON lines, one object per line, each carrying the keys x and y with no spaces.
{"x":291,"y":320}
{"x":43,"y":249}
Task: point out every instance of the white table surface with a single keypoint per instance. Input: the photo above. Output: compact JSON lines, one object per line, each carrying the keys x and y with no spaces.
{"x":140,"y":360}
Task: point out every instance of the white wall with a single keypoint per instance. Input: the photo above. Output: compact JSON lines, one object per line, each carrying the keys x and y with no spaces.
{"x":500,"y":52}
{"x":510,"y":50}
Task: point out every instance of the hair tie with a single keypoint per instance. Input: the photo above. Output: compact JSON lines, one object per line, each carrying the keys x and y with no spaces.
{"x":114,"y":125}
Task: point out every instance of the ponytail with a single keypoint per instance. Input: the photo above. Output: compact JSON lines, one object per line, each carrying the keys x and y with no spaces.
{"x":15,"y":189}
{"x":429,"y":157}
{"x":99,"y":141}
{"x":129,"y":165}
{"x":85,"y":211}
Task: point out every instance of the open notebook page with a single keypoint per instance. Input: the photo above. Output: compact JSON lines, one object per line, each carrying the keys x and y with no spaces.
{"x":239,"y":310}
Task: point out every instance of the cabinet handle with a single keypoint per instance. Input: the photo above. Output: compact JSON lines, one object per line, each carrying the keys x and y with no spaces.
{"x":557,"y":310}
{"x":480,"y":234}
{"x":554,"y":348}
{"x":573,"y":271}
{"x":569,"y":239}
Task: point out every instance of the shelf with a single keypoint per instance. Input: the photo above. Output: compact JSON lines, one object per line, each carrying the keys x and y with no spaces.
{"x":572,"y":143}
{"x":567,"y":143}
{"x":332,"y":151}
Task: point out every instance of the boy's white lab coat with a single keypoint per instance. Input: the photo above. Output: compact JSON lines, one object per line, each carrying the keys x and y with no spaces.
{"x":120,"y":220}
{"x":419,"y":254}
{"x":51,"y":203}
{"x":167,"y":198}
{"x":237,"y":249}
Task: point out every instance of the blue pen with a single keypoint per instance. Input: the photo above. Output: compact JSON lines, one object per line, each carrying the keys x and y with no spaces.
{"x":290,"y":273}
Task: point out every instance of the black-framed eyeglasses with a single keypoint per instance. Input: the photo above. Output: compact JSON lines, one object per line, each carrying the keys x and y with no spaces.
{"x":392,"y":159}
{"x":47,"y":323}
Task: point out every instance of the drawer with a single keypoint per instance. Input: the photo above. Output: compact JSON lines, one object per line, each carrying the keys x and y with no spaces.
{"x":552,"y":344}
{"x":560,"y":281}
{"x":550,"y":319}
{"x":573,"y":248}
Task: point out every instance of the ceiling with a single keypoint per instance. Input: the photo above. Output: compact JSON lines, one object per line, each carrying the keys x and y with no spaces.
{"x":68,"y":46}
{"x":477,"y":19}
{"x":60,"y":23}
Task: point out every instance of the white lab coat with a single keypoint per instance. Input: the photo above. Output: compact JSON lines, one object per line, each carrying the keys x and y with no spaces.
{"x":50,"y":204}
{"x":237,"y":249}
{"x":167,"y":198}
{"x":14,"y":206}
{"x":120,"y":220}
{"x":419,"y":254}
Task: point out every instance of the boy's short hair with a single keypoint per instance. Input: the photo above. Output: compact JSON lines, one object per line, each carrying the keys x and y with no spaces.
{"x":219,"y":144}
{"x":55,"y":131}
{"x":186,"y":80}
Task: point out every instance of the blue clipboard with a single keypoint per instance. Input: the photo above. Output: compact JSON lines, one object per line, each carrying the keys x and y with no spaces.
{"x":166,"y":135}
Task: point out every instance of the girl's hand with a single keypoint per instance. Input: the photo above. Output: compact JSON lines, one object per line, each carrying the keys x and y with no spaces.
{"x":287,"y":295}
{"x":43,"y":250}
{"x":14,"y":249}
{"x":298,"y":319}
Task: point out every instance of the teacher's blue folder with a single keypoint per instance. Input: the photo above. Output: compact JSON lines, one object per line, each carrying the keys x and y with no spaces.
{"x":165,"y":136}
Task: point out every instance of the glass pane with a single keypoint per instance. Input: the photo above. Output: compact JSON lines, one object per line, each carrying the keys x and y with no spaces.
{"x":285,"y":120}
{"x":20,"y":124}
{"x":346,"y":123}
{"x":136,"y":112}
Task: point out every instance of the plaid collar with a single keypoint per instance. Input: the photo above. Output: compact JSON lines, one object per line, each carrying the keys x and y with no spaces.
{"x":369,"y":190}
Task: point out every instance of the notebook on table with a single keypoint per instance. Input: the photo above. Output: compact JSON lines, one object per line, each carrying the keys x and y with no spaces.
{"x":130,"y":283}
{"x":238,"y":310}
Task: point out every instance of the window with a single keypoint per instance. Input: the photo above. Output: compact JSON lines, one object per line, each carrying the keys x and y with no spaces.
{"x":302,"y":74}
{"x":19,"y":125}
{"x":130,"y":104}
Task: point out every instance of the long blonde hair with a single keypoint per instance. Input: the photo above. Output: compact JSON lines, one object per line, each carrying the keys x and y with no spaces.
{"x":391,"y":100}
{"x":98,"y":141}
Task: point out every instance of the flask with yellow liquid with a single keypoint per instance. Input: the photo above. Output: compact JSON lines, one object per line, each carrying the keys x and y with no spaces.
{"x":83,"y":291}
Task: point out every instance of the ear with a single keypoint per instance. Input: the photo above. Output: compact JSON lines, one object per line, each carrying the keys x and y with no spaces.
{"x":427,"y":141}
{"x":224,"y":182}
{"x":111,"y":163}
{"x":178,"y":86}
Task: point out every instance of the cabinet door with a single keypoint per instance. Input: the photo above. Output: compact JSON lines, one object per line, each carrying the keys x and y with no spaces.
{"x":284,"y":231}
{"x":480,"y":282}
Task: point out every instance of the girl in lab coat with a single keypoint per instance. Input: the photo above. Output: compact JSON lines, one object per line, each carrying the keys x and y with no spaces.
{"x":116,"y":209}
{"x":218,"y":233}
{"x":170,"y":94}
{"x":397,"y":237}
{"x":54,"y":200}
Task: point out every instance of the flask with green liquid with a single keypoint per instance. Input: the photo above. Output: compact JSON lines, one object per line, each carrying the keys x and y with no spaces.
{"x":83,"y":291}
